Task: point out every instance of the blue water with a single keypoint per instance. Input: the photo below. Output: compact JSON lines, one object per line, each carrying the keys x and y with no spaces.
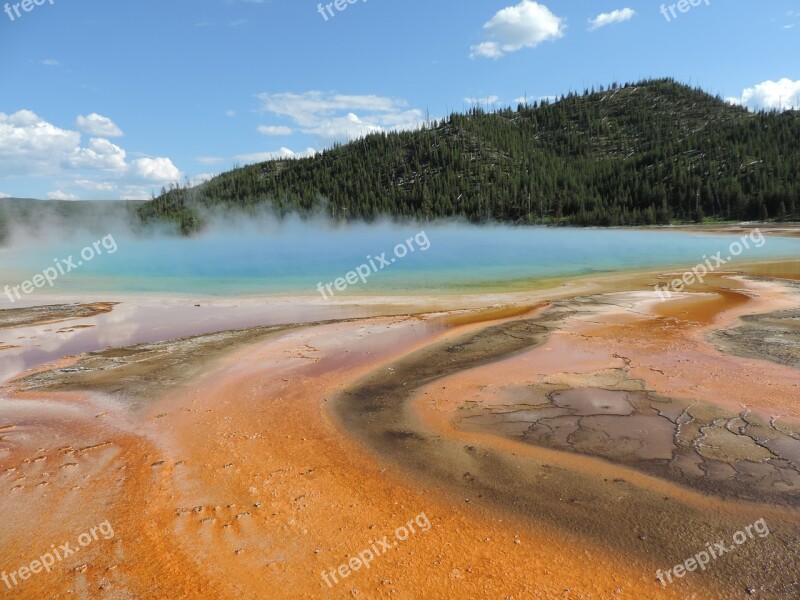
{"x":294,"y":258}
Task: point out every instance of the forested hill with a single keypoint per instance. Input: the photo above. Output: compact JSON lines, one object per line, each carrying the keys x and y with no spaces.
{"x":645,"y":153}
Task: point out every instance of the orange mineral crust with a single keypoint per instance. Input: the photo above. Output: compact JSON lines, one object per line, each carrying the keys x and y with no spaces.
{"x":373,"y":458}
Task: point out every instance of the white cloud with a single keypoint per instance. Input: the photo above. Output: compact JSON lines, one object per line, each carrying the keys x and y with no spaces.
{"x":487,"y":50}
{"x":4,"y":195}
{"x":783,"y":94}
{"x":230,"y":113}
{"x":615,"y":16}
{"x":32,"y":148}
{"x":513,"y":28}
{"x":350,"y":126}
{"x":339,"y":117}
{"x":274,"y":130}
{"x":100,"y":154}
{"x":59,"y":195}
{"x":98,"y":125}
{"x":157,"y":170}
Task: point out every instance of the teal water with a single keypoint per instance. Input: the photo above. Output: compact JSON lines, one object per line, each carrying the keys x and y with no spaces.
{"x":294,"y":258}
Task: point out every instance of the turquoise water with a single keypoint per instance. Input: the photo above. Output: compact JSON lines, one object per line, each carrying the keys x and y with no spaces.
{"x":296,"y":257}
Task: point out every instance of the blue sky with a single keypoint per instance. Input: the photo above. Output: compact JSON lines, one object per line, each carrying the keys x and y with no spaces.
{"x":104,"y":99}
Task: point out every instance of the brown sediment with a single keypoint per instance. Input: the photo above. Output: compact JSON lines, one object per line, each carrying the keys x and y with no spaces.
{"x":774,"y":336}
{"x":145,"y":370}
{"x":692,"y":439}
{"x":148,"y":370}
{"x":55,"y":313}
{"x":737,"y":456}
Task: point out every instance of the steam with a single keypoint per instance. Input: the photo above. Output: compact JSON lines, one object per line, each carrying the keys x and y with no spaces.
{"x":25,"y":223}
{"x":260,"y":252}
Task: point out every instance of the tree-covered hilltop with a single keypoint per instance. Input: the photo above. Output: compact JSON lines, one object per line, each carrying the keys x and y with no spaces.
{"x":645,"y":153}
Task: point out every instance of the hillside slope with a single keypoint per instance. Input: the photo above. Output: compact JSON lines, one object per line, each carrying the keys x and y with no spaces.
{"x":652,"y":152}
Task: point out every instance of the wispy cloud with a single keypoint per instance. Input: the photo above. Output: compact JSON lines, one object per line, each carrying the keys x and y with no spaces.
{"x":488,"y":101}
{"x":794,"y":18}
{"x":609,"y":18}
{"x":274,"y":130}
{"x":330,"y":116}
